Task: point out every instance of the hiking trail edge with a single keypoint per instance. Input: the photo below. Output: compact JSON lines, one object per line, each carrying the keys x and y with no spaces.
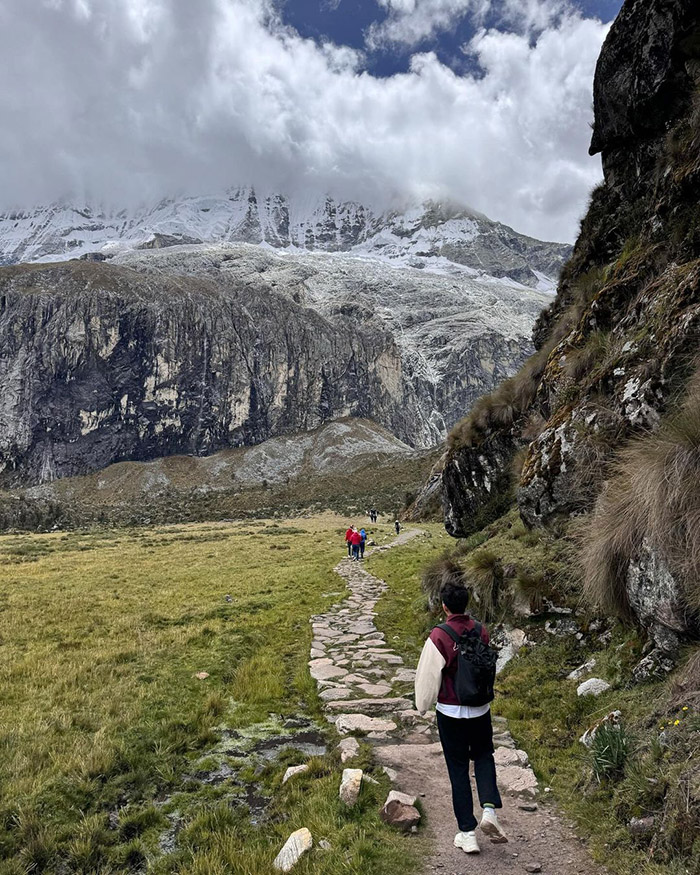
{"x":366,"y":689}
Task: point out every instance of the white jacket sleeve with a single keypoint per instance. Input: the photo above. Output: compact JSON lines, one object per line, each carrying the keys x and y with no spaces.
{"x":428,"y":677}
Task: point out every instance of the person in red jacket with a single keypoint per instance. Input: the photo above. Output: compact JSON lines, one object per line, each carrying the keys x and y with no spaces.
{"x":348,"y":540}
{"x":465,"y":731}
{"x":355,"y":540}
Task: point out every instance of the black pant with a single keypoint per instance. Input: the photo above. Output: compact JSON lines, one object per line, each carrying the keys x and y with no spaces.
{"x":349,"y":548}
{"x":362,"y":549}
{"x":462,"y":741}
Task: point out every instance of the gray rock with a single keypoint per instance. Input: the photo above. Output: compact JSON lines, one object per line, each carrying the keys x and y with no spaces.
{"x":405,"y":676}
{"x":656,"y":599}
{"x":350,"y":786}
{"x":294,"y":848}
{"x":399,"y":810}
{"x":593,"y":687}
{"x":510,"y":757}
{"x":349,"y":748}
{"x":641,"y":826}
{"x":294,"y":770}
{"x":347,"y":723}
{"x":369,"y":706}
{"x":327,"y":672}
{"x":517,"y":781}
{"x":582,"y":670}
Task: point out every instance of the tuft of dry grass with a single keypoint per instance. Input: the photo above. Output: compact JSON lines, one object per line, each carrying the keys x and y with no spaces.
{"x":593,"y":355}
{"x":653,"y":495}
{"x":503,"y":407}
{"x":436,"y":574}
{"x":485,"y":578}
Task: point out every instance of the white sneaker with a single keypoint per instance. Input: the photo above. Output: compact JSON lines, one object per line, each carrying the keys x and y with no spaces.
{"x":491,"y":827}
{"x":467,"y":842}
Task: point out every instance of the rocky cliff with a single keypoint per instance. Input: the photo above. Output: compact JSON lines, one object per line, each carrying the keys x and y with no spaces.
{"x":194,"y":349}
{"x":617,"y":347}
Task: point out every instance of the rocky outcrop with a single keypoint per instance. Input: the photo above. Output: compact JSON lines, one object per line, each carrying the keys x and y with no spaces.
{"x":194,"y":349}
{"x":99,"y":363}
{"x":619,"y":342}
{"x":476,"y":485}
{"x":456,"y":335}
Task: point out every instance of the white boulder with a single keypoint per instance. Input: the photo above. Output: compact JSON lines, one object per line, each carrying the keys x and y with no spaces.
{"x":592,"y":687}
{"x":295,"y":847}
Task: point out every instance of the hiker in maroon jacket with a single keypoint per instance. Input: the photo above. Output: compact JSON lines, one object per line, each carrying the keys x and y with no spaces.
{"x":465,"y":731}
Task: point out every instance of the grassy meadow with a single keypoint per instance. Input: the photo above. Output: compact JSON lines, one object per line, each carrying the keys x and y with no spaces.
{"x":116,"y":757}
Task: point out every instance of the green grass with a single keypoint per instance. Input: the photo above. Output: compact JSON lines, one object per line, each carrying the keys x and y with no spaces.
{"x":402,"y":614}
{"x":655,"y":775}
{"x":106,"y":733}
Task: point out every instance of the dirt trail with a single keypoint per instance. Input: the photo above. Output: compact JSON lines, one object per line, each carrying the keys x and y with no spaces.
{"x":367,"y":690}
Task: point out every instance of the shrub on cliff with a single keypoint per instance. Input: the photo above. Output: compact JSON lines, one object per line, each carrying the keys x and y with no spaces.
{"x":653,"y":496}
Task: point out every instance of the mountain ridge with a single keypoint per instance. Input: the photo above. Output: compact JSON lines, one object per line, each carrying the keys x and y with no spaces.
{"x":434,"y":235}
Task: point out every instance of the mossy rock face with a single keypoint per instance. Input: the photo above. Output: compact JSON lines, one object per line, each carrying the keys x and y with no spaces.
{"x":477,"y":485}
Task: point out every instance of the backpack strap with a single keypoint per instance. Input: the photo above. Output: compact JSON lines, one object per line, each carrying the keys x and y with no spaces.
{"x":455,"y":636}
{"x":450,"y":631}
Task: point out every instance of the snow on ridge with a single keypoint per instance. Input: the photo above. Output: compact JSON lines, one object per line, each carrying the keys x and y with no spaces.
{"x":433,"y":237}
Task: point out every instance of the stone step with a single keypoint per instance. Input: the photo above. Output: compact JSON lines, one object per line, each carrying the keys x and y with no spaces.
{"x":369,"y":706}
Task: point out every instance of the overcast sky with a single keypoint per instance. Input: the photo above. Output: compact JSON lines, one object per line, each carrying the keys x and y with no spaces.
{"x":485,"y":102}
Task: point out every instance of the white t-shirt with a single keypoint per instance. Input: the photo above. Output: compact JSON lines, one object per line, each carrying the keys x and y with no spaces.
{"x":462,"y":712}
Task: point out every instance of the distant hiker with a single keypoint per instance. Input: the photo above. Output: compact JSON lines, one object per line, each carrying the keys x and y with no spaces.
{"x":397,"y":526}
{"x":363,"y":536}
{"x":348,"y":540}
{"x":373,"y":515}
{"x":465,"y":729}
{"x":355,"y":540}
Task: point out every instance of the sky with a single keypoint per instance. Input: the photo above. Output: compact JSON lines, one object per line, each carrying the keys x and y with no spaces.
{"x":486,"y":103}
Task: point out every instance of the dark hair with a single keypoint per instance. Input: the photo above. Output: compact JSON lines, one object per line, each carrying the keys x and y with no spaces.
{"x":455,"y":597}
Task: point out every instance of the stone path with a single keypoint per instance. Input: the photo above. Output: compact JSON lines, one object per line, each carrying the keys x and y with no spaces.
{"x":368,"y":691}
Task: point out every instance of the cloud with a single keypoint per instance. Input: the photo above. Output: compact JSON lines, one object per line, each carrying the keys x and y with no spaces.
{"x":119,"y":101}
{"x":411,"y":22}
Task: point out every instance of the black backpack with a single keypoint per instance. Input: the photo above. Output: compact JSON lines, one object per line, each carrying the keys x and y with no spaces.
{"x":476,"y":666}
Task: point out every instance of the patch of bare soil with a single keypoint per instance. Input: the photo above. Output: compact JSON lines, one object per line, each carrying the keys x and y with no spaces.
{"x":539,"y":841}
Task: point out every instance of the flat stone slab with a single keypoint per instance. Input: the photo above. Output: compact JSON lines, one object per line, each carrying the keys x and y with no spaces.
{"x":504,"y":756}
{"x":347,"y":723}
{"x":405,"y":676}
{"x":369,"y":705}
{"x":335,"y":693}
{"x":375,"y":689}
{"x":517,"y":781}
{"x":326,"y":672}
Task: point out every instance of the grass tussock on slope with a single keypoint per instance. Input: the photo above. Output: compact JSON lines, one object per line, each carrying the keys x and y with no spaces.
{"x":109,"y":743}
{"x":654,"y":495}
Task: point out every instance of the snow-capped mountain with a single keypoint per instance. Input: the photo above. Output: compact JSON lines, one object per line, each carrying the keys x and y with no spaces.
{"x":437,"y":237}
